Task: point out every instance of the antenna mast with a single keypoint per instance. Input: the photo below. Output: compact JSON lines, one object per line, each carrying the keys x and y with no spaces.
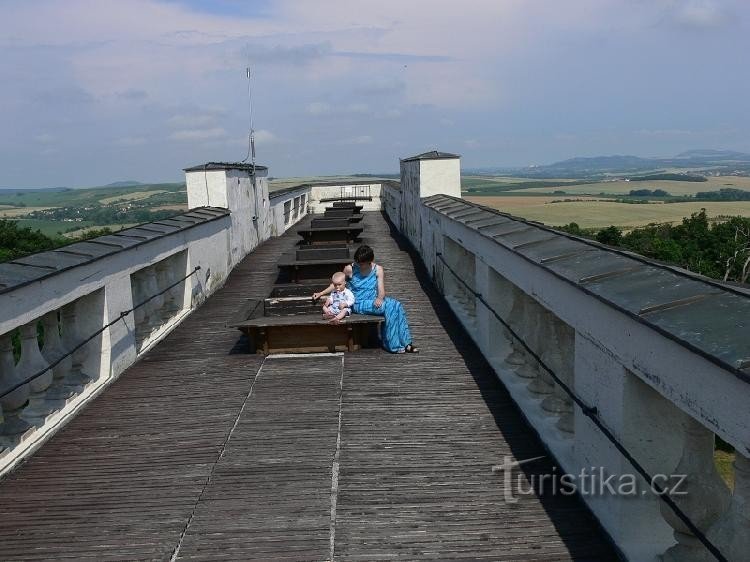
{"x":251,"y":136}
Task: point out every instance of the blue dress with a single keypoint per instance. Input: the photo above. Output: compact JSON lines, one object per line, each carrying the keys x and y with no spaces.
{"x":394,"y":332}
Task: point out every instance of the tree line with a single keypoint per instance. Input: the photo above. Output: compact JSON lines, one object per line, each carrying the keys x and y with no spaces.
{"x":16,"y":241}
{"x":714,"y":248}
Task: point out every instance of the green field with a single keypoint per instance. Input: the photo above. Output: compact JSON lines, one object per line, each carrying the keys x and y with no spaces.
{"x":51,"y":228}
{"x":621,"y":187}
{"x":599,"y":214}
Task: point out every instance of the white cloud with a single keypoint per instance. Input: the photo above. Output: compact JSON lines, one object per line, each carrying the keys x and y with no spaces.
{"x":700,"y":13}
{"x":318,"y":108}
{"x":362,"y":139}
{"x":131,"y":141}
{"x":360,"y":108}
{"x":198,"y":134}
{"x":44,"y":138}
{"x":262,"y":136}
{"x":188,"y":120}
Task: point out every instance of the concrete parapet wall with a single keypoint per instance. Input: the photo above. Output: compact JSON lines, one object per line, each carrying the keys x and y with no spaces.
{"x":288,"y":208}
{"x":663,"y":399}
{"x":159,"y":272}
{"x":367,"y":194}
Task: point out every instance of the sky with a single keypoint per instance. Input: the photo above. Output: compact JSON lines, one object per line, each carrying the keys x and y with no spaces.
{"x":97,"y":91}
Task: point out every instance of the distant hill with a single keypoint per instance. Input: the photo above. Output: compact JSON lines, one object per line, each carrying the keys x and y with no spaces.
{"x":715,"y":155}
{"x":701,"y":161}
{"x":126,"y":183}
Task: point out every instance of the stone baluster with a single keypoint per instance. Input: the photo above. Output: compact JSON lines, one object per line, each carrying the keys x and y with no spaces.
{"x":162,"y":279}
{"x":141,"y":313}
{"x":177,"y":293}
{"x":548,"y":350}
{"x":705,"y":495}
{"x":13,"y":402}
{"x":31,"y":363}
{"x":154,"y":306}
{"x":5,"y":443}
{"x":515,"y":317}
{"x":731,"y":531}
{"x":71,"y":337}
{"x":52,"y":351}
{"x":559,"y":402}
{"x":529,"y":330}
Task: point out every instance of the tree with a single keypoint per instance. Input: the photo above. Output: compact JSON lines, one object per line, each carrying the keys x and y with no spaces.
{"x":610,"y":236}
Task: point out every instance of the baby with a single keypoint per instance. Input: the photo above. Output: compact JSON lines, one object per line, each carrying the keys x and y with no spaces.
{"x":339,"y":304}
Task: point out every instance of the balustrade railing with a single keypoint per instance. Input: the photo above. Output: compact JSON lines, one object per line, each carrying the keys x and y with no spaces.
{"x":162,"y":281}
{"x":59,"y":354}
{"x":535,"y":353}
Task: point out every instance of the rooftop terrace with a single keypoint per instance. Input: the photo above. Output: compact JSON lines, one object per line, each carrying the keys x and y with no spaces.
{"x":201,"y":450}
{"x":137,"y":424}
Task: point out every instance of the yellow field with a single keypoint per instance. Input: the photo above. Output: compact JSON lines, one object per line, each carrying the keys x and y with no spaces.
{"x":621,"y":187}
{"x":15,"y":212}
{"x":112,"y":227}
{"x":512,"y":179}
{"x":131,"y":196}
{"x":183,"y":208}
{"x":598,"y":214}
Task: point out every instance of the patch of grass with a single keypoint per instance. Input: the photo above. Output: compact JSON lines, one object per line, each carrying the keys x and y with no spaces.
{"x":723,"y":461}
{"x":51,"y":228}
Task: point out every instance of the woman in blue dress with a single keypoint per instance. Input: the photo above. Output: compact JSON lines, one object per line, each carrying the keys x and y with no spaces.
{"x":365,"y":279}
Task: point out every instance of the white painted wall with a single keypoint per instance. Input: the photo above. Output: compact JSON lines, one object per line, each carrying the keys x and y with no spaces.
{"x":245,"y":195}
{"x":320,"y":192}
{"x":642,"y":383}
{"x":421,"y":179}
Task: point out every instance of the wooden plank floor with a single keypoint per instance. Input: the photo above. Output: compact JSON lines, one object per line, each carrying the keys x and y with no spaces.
{"x":202,"y":452}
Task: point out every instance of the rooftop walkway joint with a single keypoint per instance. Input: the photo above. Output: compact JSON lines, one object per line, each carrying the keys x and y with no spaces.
{"x":203,"y":451}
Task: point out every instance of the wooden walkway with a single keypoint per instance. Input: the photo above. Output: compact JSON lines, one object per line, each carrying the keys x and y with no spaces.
{"x":203,"y":452}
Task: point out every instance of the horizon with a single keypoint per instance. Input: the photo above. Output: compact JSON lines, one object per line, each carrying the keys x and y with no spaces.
{"x":488,"y":167}
{"x":96,"y":91}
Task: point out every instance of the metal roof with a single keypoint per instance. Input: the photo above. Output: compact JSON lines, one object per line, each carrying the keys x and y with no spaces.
{"x":210,"y":166}
{"x":705,"y":315}
{"x":431,"y":155}
{"x":35,"y":267}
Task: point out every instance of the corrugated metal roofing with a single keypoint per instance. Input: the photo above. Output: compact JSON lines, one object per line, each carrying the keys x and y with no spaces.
{"x":21,"y":271}
{"x":707,"y":316}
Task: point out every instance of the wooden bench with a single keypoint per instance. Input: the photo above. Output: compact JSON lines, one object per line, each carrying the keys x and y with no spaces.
{"x":301,"y":333}
{"x":343,"y":213}
{"x":340,"y":230}
{"x":314,"y":262}
{"x":348,"y":205}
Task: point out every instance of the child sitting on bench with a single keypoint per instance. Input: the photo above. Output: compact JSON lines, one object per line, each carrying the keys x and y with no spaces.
{"x":339,"y":304}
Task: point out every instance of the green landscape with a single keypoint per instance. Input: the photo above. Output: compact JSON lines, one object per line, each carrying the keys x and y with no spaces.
{"x":692,"y":216}
{"x":695,"y":214}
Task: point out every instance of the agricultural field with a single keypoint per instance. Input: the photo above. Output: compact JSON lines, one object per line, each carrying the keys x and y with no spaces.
{"x":593,"y":213}
{"x":9,"y":212}
{"x":82,"y":231}
{"x":622,"y":187}
{"x":71,"y":212}
{"x":137,"y":196}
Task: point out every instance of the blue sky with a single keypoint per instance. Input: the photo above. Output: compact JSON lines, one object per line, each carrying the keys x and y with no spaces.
{"x":106,"y":90}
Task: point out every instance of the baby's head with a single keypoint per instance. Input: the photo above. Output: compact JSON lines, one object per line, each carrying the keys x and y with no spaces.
{"x":339,"y":281}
